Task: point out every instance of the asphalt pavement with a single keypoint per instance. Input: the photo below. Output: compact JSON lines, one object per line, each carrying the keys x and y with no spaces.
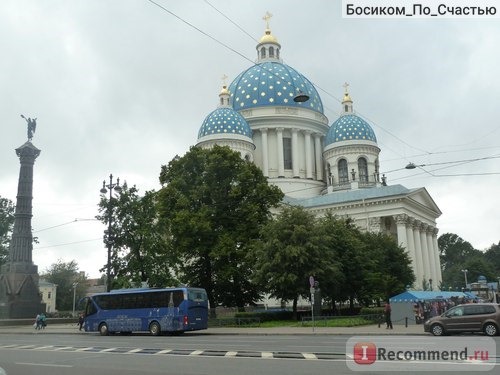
{"x":318,"y":330}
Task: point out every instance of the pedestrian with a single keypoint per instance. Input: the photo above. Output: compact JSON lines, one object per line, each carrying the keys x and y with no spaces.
{"x":38,"y":321}
{"x":387,"y":315}
{"x":80,"y":321}
{"x":43,"y":321}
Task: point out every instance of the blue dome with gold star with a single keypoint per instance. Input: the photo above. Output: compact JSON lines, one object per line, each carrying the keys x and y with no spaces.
{"x":350,"y":127}
{"x":224,"y":120}
{"x":272,"y":83}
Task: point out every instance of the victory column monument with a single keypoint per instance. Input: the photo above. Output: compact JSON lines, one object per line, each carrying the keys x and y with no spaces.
{"x":19,"y":293}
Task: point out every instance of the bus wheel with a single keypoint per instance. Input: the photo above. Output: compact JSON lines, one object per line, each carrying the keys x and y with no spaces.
{"x":154,"y":328}
{"x":103,"y":329}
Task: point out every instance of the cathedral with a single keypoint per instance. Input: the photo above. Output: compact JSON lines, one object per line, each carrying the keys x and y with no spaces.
{"x":273,"y":116}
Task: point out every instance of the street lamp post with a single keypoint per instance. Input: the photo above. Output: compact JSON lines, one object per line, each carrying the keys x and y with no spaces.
{"x":74,"y":297}
{"x":465,"y":275}
{"x":105,"y":188}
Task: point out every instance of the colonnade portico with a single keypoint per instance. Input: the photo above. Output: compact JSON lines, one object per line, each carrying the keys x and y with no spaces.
{"x":305,"y":147}
{"x":420,"y":241}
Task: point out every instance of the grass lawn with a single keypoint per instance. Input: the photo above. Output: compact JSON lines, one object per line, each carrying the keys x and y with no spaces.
{"x":333,"y":322}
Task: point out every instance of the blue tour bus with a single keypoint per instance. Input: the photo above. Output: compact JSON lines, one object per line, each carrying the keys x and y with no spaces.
{"x":169,"y":310}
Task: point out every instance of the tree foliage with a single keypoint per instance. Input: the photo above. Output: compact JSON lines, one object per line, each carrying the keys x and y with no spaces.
{"x":214,"y":204}
{"x":7,"y":210}
{"x":139,"y":246}
{"x":288,"y":253}
{"x":458,"y":255}
{"x":454,"y":250}
{"x":65,"y":275}
{"x":389,"y":266}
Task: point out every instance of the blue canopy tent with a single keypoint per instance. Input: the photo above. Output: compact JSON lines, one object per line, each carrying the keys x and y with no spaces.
{"x":414,"y":306}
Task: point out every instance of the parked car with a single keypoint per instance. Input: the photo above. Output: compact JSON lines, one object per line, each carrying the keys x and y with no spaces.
{"x":473,"y":317}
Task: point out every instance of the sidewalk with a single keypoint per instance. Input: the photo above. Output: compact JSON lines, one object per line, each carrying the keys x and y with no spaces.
{"x":352,"y":331}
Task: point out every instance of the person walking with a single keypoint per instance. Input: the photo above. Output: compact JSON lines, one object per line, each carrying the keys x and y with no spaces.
{"x":38,"y":322}
{"x":81,"y":319}
{"x":387,"y":315}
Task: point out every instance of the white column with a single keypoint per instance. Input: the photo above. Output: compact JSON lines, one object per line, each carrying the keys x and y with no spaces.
{"x":265,"y":153}
{"x":308,"y":150}
{"x":279,"y":145}
{"x":436,"y":254}
{"x":411,"y":248}
{"x":401,"y":221}
{"x":418,"y":254}
{"x":295,"y":153}
{"x":425,"y":253}
{"x":432,"y":256}
{"x":317,"y":152}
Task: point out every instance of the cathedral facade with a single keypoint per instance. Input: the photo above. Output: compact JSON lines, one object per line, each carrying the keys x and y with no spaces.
{"x":273,"y":116}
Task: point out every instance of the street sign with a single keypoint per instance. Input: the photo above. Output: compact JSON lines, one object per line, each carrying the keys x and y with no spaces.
{"x":311,"y":281}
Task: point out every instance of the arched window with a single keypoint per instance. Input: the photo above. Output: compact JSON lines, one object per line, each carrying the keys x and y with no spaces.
{"x":263,"y":53}
{"x":363,"y":170}
{"x":346,"y":108}
{"x":343,"y":173}
{"x":271,"y":51}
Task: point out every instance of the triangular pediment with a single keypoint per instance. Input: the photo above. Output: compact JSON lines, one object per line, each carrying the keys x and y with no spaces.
{"x":422,"y":197}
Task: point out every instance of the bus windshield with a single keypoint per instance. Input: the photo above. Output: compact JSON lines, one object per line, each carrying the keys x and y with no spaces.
{"x":154,"y":310}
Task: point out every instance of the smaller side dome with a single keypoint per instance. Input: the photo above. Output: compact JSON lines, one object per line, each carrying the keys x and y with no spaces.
{"x":224,"y":120}
{"x":349,"y":127}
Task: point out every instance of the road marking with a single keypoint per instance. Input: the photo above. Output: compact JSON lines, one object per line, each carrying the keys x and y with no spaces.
{"x":25,"y":347}
{"x":135,"y":350}
{"x":164,"y":351}
{"x":309,"y":356}
{"x":108,"y":350}
{"x":190,"y":352}
{"x":83,"y":349}
{"x":41,"y":364}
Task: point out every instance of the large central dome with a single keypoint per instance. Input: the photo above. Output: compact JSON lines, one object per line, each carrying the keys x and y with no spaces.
{"x":272,"y":83}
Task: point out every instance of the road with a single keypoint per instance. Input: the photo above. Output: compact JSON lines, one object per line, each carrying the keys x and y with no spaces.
{"x":190,"y":354}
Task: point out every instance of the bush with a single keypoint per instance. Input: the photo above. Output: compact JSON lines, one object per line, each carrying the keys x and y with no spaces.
{"x":266,"y":316}
{"x":372,"y":310}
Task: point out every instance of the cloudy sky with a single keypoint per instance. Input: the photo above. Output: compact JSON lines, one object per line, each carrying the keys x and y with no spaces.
{"x":123,"y":86}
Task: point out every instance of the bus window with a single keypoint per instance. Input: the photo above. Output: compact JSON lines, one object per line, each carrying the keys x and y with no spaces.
{"x":197,"y":295}
{"x":178,"y":297}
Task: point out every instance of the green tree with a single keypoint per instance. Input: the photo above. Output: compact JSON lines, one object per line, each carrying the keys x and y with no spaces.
{"x":65,"y":275}
{"x":288,"y":253}
{"x":456,"y":254}
{"x":454,"y":250}
{"x":388,"y":270}
{"x":214,"y":204}
{"x":492,"y":256}
{"x":7,"y":210}
{"x":139,"y":246}
{"x":350,"y":254}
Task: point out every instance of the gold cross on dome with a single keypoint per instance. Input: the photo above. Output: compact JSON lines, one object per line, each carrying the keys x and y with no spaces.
{"x":345,"y":85}
{"x":266,"y":18}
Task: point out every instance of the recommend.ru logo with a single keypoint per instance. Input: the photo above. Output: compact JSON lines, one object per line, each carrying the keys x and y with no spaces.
{"x":401,"y":353}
